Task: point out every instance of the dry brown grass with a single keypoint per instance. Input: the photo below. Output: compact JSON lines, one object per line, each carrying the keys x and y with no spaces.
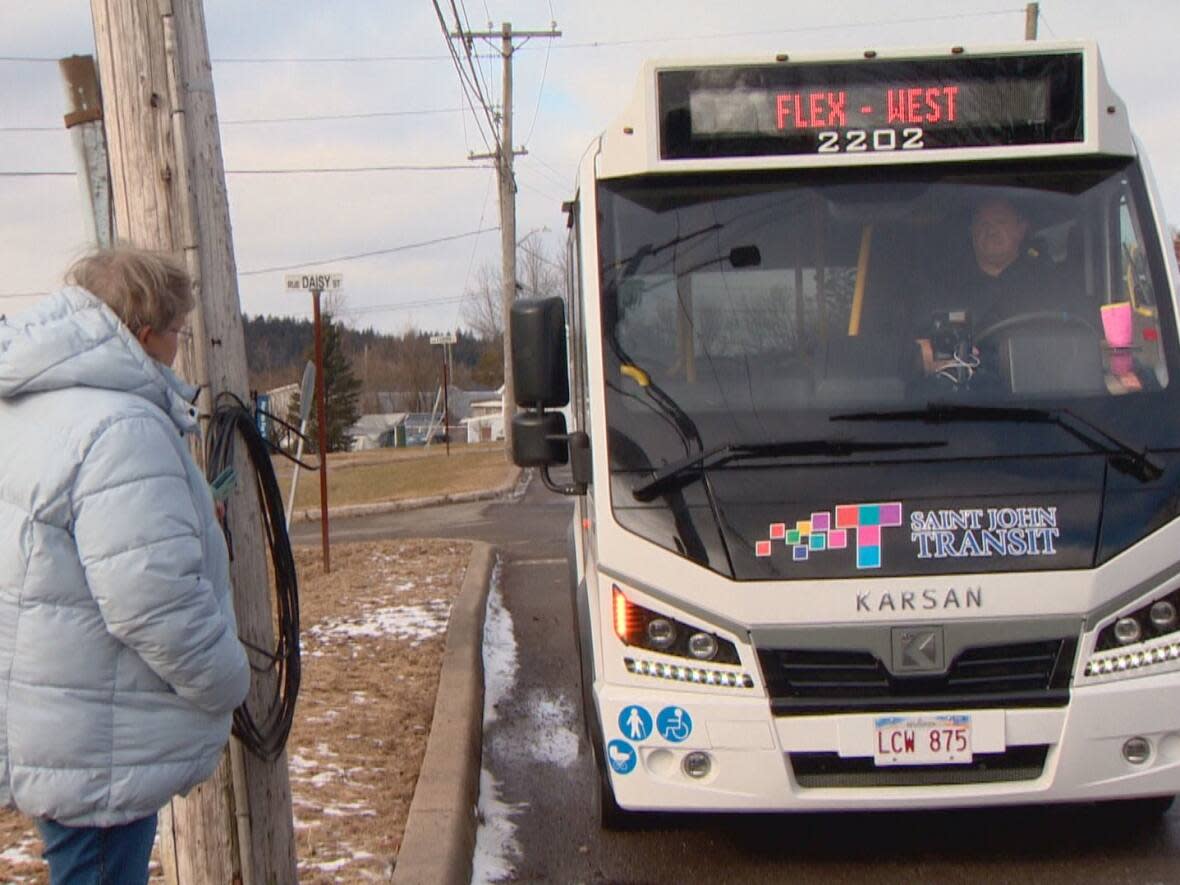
{"x":399,"y":474}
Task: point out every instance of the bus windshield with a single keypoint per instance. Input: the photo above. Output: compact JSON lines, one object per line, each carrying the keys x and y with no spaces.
{"x":740,"y":308}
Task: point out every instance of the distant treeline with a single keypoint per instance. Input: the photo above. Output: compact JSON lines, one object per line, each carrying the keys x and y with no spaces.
{"x":278,"y":347}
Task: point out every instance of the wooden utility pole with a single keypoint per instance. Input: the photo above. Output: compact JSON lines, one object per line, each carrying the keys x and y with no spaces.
{"x":504,"y":156}
{"x":168,"y":189}
{"x":1031,"y":14}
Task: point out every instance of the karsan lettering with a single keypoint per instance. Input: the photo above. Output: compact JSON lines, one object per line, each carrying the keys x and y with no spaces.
{"x":928,"y":599}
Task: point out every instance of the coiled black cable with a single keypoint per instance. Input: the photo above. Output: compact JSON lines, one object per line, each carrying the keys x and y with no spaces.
{"x":264,"y":738}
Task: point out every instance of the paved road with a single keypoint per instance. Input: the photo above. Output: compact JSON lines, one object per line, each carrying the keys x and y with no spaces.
{"x":550,"y":782}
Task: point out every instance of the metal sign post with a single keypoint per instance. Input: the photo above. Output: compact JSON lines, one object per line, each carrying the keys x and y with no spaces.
{"x":446,"y":341}
{"x":322,"y":410}
{"x":306,"y":398}
{"x":316,"y":284}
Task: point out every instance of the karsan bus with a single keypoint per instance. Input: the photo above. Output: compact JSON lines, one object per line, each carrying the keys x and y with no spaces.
{"x":874,"y":444}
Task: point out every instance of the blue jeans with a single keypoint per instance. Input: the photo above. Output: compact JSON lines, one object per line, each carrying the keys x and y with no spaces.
{"x":98,"y":855}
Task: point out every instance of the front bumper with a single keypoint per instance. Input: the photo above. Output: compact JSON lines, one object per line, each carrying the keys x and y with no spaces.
{"x":751,"y":751}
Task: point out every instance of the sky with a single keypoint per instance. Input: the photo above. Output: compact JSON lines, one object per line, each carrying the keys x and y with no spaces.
{"x":385,"y":67}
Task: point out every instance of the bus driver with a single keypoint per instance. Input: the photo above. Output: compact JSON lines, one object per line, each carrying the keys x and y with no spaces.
{"x":1007,"y":278}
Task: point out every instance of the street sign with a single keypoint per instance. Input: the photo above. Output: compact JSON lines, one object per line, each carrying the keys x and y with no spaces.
{"x":449,"y":338}
{"x":313,"y":282}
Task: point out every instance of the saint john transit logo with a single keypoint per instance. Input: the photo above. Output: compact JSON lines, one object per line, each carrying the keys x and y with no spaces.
{"x":821,"y":532}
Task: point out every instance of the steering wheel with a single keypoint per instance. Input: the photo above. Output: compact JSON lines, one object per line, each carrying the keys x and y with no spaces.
{"x":1055,"y":317}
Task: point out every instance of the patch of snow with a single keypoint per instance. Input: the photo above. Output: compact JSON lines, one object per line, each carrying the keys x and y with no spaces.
{"x":25,"y":852}
{"x":330,"y":866}
{"x":416,"y":622}
{"x":499,"y":650}
{"x":554,"y":741}
{"x":495,"y":840}
{"x":296,"y":762}
{"x":349,"y":809}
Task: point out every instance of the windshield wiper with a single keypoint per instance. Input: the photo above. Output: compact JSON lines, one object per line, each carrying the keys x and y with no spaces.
{"x":676,"y":474}
{"x":1121,"y":456}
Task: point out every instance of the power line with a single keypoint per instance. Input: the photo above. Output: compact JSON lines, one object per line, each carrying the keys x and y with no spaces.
{"x":311,"y":118}
{"x":536,"y":190}
{"x":540,"y":90}
{"x":362,"y":116}
{"x":326,"y":59}
{"x":807,"y":29}
{"x":359,"y":255}
{"x":475,"y":245}
{"x":350,"y":169}
{"x":548,"y":176}
{"x":310,"y":170}
{"x":468,"y":87}
{"x":406,"y":305}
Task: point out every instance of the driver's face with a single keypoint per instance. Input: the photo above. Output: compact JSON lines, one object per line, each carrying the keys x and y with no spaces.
{"x":997,"y":230}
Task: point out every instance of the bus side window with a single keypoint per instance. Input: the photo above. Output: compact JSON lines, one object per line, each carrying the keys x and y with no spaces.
{"x":1134,"y":277}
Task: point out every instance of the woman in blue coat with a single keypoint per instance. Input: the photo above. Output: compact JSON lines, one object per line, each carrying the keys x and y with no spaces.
{"x":120,"y":664}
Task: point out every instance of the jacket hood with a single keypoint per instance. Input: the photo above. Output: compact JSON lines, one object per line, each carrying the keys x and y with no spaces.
{"x":72,"y":339}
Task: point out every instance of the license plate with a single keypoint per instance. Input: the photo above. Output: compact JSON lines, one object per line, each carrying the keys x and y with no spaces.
{"x":922,"y":740}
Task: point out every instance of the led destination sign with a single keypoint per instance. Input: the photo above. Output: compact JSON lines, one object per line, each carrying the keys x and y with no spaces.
{"x":851,"y":107}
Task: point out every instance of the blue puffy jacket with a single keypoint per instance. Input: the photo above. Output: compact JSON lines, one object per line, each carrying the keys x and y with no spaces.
{"x":120,"y":664}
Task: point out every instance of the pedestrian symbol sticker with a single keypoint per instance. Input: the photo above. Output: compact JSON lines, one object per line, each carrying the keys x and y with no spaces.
{"x":635,"y":723}
{"x":622,"y":756}
{"x":674,"y":723}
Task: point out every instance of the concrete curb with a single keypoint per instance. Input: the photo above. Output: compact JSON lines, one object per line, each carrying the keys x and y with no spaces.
{"x":439,"y":840}
{"x":312,"y":514}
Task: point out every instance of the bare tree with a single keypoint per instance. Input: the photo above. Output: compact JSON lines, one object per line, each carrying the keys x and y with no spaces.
{"x":418,"y":367}
{"x":481,"y":303}
{"x":542,"y":270}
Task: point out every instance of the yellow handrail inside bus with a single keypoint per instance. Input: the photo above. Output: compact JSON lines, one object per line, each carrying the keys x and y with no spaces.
{"x":636,"y":374}
{"x":862,"y":272}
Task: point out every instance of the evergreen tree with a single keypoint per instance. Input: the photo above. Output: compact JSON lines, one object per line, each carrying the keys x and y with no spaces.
{"x":342,"y":393}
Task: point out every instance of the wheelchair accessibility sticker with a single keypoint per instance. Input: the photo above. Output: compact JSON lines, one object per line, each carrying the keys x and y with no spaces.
{"x":635,"y":723}
{"x":622,"y":756}
{"x":674,"y":723}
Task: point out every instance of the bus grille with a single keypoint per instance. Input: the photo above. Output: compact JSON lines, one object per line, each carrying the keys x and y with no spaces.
{"x":1026,"y":674}
{"x":814,"y":770}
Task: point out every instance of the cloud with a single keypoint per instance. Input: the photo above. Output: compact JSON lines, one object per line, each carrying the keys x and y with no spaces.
{"x":280,"y":220}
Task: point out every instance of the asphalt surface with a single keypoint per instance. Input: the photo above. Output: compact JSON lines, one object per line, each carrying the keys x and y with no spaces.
{"x":560,"y":842}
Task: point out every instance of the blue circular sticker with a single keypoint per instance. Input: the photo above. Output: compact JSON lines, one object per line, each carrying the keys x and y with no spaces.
{"x":674,"y":723}
{"x":621,"y":756}
{"x":635,"y":723}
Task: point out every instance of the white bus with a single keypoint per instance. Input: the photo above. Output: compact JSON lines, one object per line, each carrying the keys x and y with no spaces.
{"x":874,"y":440}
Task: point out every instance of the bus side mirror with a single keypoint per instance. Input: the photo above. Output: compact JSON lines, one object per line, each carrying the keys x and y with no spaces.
{"x":540,"y":377}
{"x":539,"y":439}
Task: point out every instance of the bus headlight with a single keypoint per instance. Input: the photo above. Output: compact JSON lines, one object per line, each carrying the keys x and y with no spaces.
{"x":1163,"y":615}
{"x":661,"y":633}
{"x":644,"y":628}
{"x":1127,"y":630}
{"x":702,"y":646}
{"x":1140,"y":641}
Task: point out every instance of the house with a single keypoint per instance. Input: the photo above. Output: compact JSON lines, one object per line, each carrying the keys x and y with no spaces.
{"x":487,"y":419}
{"x":380,"y":431}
